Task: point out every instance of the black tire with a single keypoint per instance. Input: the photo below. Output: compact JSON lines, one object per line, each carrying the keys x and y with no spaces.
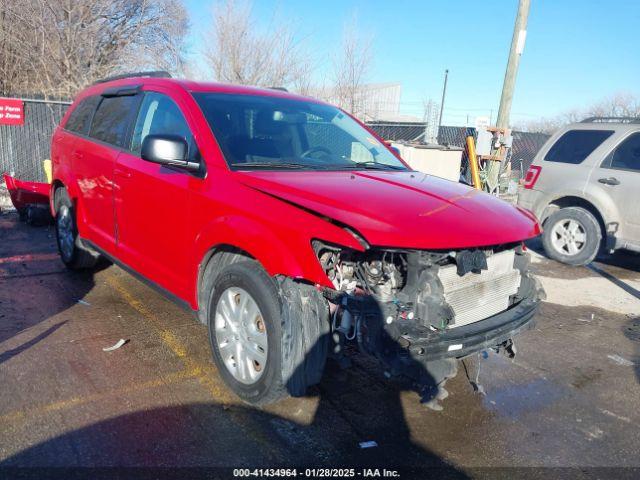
{"x":297,"y":348}
{"x":22,"y":214}
{"x":38,"y":216}
{"x":77,"y":257}
{"x":587,"y":223}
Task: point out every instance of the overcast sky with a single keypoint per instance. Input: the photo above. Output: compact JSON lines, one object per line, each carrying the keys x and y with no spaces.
{"x":576,"y":53}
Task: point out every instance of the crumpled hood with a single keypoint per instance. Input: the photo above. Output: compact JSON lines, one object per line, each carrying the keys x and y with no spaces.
{"x":401,"y":209}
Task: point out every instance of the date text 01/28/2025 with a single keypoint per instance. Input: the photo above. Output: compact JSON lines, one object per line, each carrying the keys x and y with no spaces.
{"x":316,"y":473}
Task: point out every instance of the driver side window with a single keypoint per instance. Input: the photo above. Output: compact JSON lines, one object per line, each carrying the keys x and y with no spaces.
{"x":159,"y":115}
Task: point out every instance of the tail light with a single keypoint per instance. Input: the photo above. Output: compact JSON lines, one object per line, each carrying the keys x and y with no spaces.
{"x":532,"y":176}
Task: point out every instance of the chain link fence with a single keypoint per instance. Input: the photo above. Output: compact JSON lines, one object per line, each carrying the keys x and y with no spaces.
{"x":525,"y":144}
{"x":24,"y":147}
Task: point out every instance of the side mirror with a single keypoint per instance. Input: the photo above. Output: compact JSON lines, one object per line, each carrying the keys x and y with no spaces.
{"x":170,"y":150}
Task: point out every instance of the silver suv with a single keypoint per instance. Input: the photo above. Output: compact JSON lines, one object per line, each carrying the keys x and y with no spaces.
{"x":584,"y":187}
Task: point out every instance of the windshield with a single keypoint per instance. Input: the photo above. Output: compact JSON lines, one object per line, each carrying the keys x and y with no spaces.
{"x":270,"y":133}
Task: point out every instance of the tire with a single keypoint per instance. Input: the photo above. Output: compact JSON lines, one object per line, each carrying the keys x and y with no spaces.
{"x":22,"y":214}
{"x":296,"y":347}
{"x":72,"y":252}
{"x":38,"y":216}
{"x":572,"y":235}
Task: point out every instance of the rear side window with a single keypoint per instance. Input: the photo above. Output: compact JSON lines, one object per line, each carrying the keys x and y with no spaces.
{"x":80,"y":118}
{"x":112,"y":119}
{"x":576,"y":145}
{"x":626,"y":156}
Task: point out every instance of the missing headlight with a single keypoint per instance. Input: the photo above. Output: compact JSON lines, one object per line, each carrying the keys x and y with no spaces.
{"x":377,"y":272}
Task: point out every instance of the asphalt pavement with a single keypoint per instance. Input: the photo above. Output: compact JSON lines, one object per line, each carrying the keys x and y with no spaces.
{"x":570,"y":398}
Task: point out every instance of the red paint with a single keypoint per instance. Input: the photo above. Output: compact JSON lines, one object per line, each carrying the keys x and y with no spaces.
{"x":11,"y":111}
{"x":25,"y":193}
{"x":401,"y":209}
{"x":162,"y":223}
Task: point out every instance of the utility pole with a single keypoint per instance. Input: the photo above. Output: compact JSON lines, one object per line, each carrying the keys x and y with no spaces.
{"x":517,"y":46}
{"x":508,"y":86}
{"x":444,"y":92}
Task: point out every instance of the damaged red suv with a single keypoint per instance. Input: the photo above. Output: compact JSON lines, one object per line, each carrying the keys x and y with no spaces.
{"x":290,"y":229}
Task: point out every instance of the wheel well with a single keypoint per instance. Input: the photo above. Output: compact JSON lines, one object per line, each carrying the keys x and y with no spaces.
{"x":212,"y":263}
{"x":565,"y":202}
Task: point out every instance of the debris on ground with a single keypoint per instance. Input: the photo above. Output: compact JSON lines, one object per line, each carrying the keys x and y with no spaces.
{"x":120,"y":343}
{"x":84,"y":302}
{"x":621,"y":361}
{"x":369,"y":444}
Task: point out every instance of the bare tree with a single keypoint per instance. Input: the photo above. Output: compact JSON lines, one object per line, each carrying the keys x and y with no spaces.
{"x":618,"y":105}
{"x":239,"y":51}
{"x":351,"y":67}
{"x":56,"y":47}
{"x":621,"y":104}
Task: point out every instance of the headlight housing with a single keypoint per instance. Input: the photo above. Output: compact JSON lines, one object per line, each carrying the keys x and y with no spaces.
{"x":374,"y":271}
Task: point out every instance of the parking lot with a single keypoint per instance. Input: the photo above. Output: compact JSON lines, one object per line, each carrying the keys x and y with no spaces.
{"x":570,"y":397}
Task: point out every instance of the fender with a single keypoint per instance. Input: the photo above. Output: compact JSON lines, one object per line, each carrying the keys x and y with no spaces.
{"x":544,"y":208}
{"x":294,"y":258}
{"x":594,"y":201}
{"x":66,"y":179}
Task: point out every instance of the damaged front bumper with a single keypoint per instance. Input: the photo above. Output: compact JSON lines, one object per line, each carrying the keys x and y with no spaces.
{"x":394,"y":339}
{"x":418,"y":312}
{"x":491,"y":332}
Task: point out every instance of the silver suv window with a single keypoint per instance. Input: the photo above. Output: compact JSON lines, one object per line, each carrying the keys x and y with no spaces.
{"x":626,"y":156}
{"x":576,"y":145}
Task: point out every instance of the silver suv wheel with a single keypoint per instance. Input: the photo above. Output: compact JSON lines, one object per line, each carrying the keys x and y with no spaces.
{"x":241,"y":335}
{"x":572,"y":235}
{"x":568,"y":237}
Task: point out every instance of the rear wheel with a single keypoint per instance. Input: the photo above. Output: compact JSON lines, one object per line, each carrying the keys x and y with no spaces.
{"x":572,"y":235}
{"x":72,"y":253}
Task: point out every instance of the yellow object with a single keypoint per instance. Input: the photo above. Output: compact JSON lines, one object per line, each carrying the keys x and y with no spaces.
{"x":47,"y":169}
{"x":473,"y":163}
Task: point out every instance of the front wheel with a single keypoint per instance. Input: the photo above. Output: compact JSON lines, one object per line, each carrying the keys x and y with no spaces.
{"x":268,"y":337}
{"x":572,"y":235}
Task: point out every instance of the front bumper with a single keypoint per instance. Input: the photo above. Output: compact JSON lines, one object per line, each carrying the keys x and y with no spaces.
{"x":490,"y":332}
{"x":403,"y":344}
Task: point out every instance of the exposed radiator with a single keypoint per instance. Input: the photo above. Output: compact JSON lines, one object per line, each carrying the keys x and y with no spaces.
{"x":476,"y":296}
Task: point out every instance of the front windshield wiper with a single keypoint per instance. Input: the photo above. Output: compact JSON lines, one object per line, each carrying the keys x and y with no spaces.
{"x":374,"y":166}
{"x":279,"y":165}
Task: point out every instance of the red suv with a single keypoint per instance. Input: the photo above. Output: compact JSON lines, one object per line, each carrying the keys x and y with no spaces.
{"x":289,"y":228}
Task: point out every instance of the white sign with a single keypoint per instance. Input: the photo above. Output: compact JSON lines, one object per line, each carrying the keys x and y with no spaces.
{"x":522,"y":36}
{"x":482,"y":123}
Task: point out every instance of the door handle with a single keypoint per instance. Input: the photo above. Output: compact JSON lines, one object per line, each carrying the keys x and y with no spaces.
{"x":609,"y":181}
{"x":122,"y":173}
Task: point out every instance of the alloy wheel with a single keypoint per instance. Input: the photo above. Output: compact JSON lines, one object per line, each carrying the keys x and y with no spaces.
{"x":568,"y":237}
{"x":241,"y":335}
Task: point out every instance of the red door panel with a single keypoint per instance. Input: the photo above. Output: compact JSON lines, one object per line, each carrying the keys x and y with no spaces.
{"x":152,"y":211}
{"x":93,"y":164}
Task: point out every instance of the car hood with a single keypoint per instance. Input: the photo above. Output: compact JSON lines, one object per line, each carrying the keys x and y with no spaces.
{"x":400,"y":209}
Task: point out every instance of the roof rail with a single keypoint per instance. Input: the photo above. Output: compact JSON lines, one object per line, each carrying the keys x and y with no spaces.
{"x":152,"y":74}
{"x":611,"y":120}
{"x":282,"y":89}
